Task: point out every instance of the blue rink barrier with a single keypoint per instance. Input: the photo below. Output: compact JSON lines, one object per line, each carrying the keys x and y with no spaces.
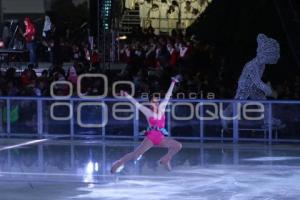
{"x":186,"y":119}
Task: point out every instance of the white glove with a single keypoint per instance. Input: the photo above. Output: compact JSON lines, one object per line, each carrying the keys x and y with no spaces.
{"x":177,"y":78}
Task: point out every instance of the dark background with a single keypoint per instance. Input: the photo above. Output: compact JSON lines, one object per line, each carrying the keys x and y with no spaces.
{"x":232,"y":26}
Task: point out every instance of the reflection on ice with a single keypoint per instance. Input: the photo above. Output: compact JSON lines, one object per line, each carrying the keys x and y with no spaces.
{"x":272,"y":158}
{"x":208,"y":183}
{"x":70,"y":170}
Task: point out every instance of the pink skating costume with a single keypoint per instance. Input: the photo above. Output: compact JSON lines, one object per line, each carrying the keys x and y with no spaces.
{"x":156,"y":130}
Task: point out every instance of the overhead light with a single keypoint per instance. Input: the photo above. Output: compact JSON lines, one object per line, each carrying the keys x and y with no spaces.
{"x":124,"y":37}
{"x":1,"y":44}
{"x":90,"y":168}
{"x":96,"y":167}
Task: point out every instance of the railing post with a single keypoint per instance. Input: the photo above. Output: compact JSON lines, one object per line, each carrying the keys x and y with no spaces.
{"x":202,"y":155}
{"x":236,"y":156}
{"x":41,"y":157}
{"x":72,"y":121}
{"x":46,"y":117}
{"x":9,"y":163}
{"x":1,"y":118}
{"x":8,"y":128}
{"x":201,"y":123}
{"x":235,"y":124}
{"x":270,"y":122}
{"x":136,"y":123}
{"x":40,"y":121}
{"x":72,"y":156}
{"x":103,"y":115}
{"x":103,"y":161}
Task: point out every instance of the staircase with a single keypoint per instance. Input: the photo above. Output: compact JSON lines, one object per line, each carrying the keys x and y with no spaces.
{"x":129,"y":20}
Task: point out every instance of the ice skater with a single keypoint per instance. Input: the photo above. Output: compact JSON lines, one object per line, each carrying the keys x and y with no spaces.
{"x":250,"y":85}
{"x":155,"y":134}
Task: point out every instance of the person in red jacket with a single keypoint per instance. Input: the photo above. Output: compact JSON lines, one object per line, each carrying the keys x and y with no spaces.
{"x":30,"y":37}
{"x":173,"y":54}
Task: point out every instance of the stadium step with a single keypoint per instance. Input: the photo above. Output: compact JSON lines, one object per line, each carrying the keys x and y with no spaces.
{"x":130,"y":19}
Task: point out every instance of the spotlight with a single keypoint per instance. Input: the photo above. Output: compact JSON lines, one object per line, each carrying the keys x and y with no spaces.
{"x":124,"y":37}
{"x":96,"y":167}
{"x":90,"y":168}
{"x":1,"y":44}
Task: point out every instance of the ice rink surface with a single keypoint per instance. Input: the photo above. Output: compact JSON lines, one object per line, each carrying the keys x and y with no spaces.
{"x":211,"y":171}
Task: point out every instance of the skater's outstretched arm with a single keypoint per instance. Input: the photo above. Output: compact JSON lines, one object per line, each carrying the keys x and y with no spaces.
{"x":146,"y":111}
{"x":164,"y":103}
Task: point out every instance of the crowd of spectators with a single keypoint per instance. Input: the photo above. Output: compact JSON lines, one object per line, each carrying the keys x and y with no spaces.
{"x":149,"y":62}
{"x":166,"y":15}
{"x":59,"y":47}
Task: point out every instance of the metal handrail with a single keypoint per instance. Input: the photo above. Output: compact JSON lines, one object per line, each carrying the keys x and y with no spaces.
{"x":42,"y":118}
{"x":141,"y":99}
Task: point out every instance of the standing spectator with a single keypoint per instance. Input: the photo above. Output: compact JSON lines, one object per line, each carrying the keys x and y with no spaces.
{"x":47,"y":38}
{"x":95,"y":60}
{"x":163,"y":56}
{"x":30,"y":37}
{"x":154,"y":16}
{"x":144,"y":6}
{"x":56,"y":51}
{"x":150,"y":56}
{"x":47,"y":27}
{"x":72,"y":74}
{"x":6,"y":34}
{"x":164,"y":25}
{"x":173,"y":54}
{"x":186,"y":15}
{"x":184,"y":51}
{"x":76,"y":53}
{"x":130,"y":4}
{"x":173,"y":16}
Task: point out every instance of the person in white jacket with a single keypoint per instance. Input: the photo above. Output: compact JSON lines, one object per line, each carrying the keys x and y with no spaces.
{"x":186,"y":15}
{"x":203,"y":5}
{"x":173,"y":16}
{"x":154,"y":16}
{"x":164,"y":7}
{"x":47,"y":26}
{"x":144,"y":8}
{"x":130,"y":4}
